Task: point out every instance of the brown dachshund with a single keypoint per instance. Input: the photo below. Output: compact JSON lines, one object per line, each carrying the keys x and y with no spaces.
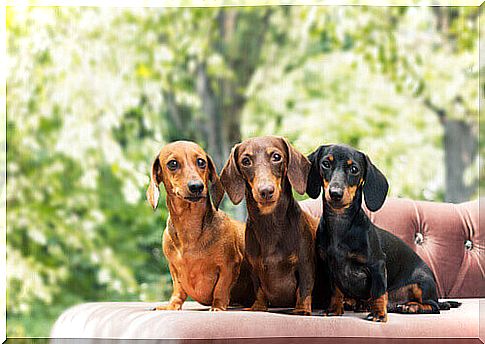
{"x":204,"y":247}
{"x":279,"y":235}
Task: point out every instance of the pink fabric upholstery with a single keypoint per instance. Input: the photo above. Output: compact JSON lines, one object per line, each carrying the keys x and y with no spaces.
{"x":132,"y":320}
{"x":447,"y":236}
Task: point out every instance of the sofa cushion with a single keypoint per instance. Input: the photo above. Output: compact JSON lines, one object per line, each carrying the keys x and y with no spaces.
{"x":446,"y":236}
{"x":134,"y":320}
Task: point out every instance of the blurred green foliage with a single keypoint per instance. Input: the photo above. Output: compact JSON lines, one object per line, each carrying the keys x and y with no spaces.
{"x":93,"y":93}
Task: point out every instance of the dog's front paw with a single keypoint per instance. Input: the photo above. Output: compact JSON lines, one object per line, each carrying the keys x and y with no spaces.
{"x":216,"y":309}
{"x":302,"y":311}
{"x":335,"y":311}
{"x":376,"y":317}
{"x":258,"y":307}
{"x":169,"y":307}
{"x":218,"y":306}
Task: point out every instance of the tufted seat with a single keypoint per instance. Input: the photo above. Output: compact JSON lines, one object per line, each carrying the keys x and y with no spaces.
{"x":446,"y":236}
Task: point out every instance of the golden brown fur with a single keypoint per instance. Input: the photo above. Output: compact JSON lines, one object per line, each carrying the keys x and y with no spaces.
{"x":204,"y":247}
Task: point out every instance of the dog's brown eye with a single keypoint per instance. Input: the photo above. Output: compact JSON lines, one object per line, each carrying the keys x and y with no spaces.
{"x":201,"y":163}
{"x":354,"y":169}
{"x":246,"y":161}
{"x":172,"y":165}
{"x":325,"y":164}
{"x":276,"y":157}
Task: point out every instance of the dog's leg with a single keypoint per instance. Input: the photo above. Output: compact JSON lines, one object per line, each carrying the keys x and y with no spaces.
{"x":303,"y":301}
{"x":378,"y":309}
{"x":414,"y":299}
{"x":261,"y":304}
{"x":222,"y":289}
{"x":306,"y":275}
{"x":378,"y":276}
{"x":379,"y":297}
{"x":178,"y":294}
{"x":305,"y":288}
{"x":336,"y":306}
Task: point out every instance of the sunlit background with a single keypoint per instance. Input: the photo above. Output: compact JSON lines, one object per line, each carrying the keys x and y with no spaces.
{"x":92,"y":95}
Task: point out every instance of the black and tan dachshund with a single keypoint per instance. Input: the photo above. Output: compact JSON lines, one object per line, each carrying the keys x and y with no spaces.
{"x":363,"y":262}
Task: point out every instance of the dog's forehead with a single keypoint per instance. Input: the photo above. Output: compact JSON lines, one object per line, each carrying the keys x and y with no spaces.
{"x":261,"y":145}
{"x":180,"y":149}
{"x":344,"y":153}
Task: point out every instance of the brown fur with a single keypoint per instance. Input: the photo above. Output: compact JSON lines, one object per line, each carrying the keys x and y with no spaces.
{"x":204,"y":247}
{"x":379,"y":308}
{"x":409,"y":292}
{"x":347,"y":199}
{"x":279,"y":235}
{"x":415,"y":307}
{"x":336,"y":306}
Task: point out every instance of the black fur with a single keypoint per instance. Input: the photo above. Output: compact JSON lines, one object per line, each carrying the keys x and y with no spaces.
{"x":362,"y":260}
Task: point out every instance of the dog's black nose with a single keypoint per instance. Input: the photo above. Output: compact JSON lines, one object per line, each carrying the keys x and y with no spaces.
{"x":336,"y":193}
{"x":195,"y":186}
{"x":266,"y":192}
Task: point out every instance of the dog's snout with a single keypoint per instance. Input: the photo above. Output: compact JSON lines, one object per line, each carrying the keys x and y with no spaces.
{"x":336,"y":193}
{"x":195,"y":186}
{"x":266,"y":192}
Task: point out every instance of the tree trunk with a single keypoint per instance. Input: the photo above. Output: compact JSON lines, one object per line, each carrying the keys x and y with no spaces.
{"x":460,"y":143}
{"x":461,"y":148}
{"x":215,"y":144}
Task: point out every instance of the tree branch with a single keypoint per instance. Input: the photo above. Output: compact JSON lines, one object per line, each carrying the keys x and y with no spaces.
{"x":437,"y":110}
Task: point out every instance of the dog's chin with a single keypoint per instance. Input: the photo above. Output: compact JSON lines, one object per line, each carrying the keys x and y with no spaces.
{"x":195,"y":199}
{"x":337,"y":205}
{"x":266,"y":207}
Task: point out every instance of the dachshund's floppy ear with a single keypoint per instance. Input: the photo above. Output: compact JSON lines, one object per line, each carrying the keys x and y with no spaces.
{"x":375,"y":187}
{"x":314,"y":182}
{"x":216,"y":189}
{"x":153,"y":191}
{"x":232,"y":179}
{"x":298,"y":168}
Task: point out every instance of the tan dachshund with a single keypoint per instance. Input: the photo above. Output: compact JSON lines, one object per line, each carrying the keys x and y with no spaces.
{"x":280,"y":237}
{"x":204,"y":247}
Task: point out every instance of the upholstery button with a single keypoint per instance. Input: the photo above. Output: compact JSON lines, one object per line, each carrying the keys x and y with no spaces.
{"x":468,"y":245}
{"x":418,"y":239}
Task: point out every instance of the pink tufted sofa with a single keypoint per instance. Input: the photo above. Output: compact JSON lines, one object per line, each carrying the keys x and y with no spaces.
{"x":446,"y":236}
